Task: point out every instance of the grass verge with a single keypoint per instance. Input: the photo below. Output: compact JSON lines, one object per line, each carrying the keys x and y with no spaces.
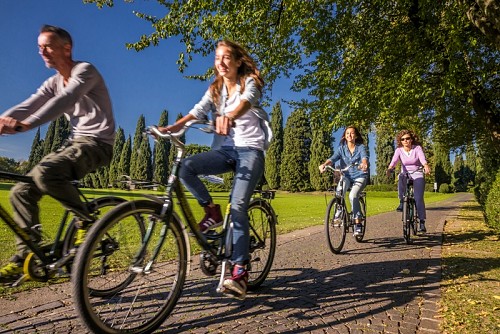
{"x":471,"y":274}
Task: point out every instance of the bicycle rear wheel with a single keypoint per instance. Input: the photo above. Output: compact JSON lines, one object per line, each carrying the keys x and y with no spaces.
{"x":100,"y":206}
{"x":335,"y":229}
{"x":112,"y":248}
{"x":407,"y":220}
{"x":362,"y":203}
{"x":262,"y":222}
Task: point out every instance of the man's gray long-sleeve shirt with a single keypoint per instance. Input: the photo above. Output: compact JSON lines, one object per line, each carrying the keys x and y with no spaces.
{"x":84,"y":101}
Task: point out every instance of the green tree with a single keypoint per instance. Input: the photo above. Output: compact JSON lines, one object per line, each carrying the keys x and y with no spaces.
{"x":363,"y":60}
{"x":321,"y":149}
{"x":161,"y":155}
{"x":442,"y":167}
{"x":138,"y":160}
{"x":173,"y":150}
{"x":384,"y":150}
{"x":459,"y":178}
{"x":296,"y":152}
{"x":49,"y":138}
{"x":61,"y":133}
{"x":273,"y":154}
{"x":9,"y":165}
{"x":114,"y":166}
{"x":124,"y":166}
{"x":35,"y":153}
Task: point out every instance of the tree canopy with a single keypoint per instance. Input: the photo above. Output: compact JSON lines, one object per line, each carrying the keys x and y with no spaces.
{"x":425,"y":61}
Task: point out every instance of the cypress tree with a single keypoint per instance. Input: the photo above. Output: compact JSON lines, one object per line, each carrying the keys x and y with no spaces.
{"x":49,"y":138}
{"x":114,"y":166}
{"x":136,"y":160}
{"x":273,"y":154}
{"x":124,"y":166}
{"x":442,"y":168}
{"x":459,"y":174}
{"x":61,"y":133}
{"x":35,"y":153}
{"x":384,"y":150}
{"x":321,"y":149}
{"x":173,"y":152}
{"x":296,"y":152}
{"x":161,"y":155}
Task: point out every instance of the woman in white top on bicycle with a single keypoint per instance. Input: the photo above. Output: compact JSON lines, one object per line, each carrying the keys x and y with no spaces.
{"x":242,"y":134}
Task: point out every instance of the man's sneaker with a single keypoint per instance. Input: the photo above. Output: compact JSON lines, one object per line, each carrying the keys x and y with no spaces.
{"x":12,"y":271}
{"x":213,"y":218}
{"x":422,"y":226}
{"x":236,"y":285}
{"x":400,"y":207}
{"x":81,"y":231}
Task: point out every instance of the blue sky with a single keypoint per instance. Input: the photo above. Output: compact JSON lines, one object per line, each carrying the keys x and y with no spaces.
{"x":145,"y":82}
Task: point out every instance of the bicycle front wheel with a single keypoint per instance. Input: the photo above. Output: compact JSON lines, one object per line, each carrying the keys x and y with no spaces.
{"x":407,"y":220}
{"x":362,"y":203}
{"x":335,"y":228}
{"x":262,"y":222}
{"x":139,"y":297}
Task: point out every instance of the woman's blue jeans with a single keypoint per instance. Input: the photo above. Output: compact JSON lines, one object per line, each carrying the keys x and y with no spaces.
{"x":357,"y":186}
{"x":248,"y":167}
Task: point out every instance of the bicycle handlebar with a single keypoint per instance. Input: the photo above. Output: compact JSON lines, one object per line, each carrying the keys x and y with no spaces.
{"x":341,"y":170}
{"x":153,"y":129}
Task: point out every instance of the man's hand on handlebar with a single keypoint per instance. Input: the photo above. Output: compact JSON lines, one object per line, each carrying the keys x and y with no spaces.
{"x":9,"y":125}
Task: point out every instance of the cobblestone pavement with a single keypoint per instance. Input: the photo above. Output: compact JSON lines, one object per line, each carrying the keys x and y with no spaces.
{"x":381,"y":285}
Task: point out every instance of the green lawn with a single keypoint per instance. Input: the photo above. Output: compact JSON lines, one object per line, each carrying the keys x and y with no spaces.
{"x":294,"y":210}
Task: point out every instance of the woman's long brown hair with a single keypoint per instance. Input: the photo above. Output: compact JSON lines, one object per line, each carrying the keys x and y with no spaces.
{"x":247,"y":68}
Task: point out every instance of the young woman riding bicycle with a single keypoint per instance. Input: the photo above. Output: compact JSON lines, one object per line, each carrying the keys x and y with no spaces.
{"x":352,"y":152}
{"x":241,"y":136}
{"x":410,"y":154}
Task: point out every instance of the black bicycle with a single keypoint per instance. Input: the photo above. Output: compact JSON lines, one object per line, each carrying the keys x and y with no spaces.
{"x":409,"y":216}
{"x":48,"y":257}
{"x":161,"y":258}
{"x":338,"y":219}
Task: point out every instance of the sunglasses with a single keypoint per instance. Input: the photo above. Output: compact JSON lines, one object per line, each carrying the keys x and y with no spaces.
{"x":405,"y":138}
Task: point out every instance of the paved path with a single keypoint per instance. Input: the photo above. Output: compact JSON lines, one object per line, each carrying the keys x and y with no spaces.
{"x":378,"y":286}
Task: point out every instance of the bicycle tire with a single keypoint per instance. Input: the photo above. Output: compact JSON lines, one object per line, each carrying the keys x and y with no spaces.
{"x":262,"y":247}
{"x":98,"y":204}
{"x":413,"y":214}
{"x":142,"y":305}
{"x":335,"y":231}
{"x":407,"y":218}
{"x":362,"y":204}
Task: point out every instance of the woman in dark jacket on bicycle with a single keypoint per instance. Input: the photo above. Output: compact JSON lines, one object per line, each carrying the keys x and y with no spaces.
{"x":352,"y":151}
{"x":411,"y":155}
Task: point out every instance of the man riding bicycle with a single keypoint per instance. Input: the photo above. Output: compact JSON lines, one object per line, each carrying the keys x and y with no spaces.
{"x":78,"y":91}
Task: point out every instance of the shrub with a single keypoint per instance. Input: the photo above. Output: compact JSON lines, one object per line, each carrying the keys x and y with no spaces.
{"x":493,"y":204}
{"x":382,"y":187}
{"x":444,"y":188}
